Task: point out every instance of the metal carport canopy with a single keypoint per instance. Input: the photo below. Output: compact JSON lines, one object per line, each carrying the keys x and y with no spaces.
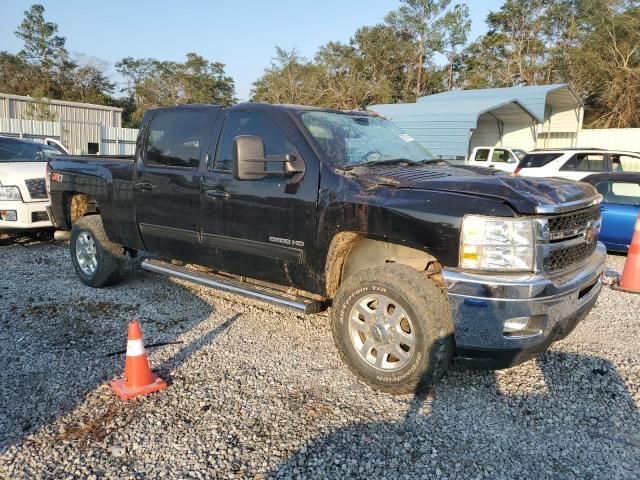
{"x":445,"y":126}
{"x":443,"y":122}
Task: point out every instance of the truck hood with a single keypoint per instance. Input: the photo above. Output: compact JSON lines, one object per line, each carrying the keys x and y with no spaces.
{"x":15,"y":173}
{"x":525,"y":195}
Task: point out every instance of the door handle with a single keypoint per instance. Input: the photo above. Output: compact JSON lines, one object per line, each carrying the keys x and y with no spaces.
{"x":603,"y":208}
{"x":144,"y":187}
{"x":218,"y":194}
{"x":491,"y":165}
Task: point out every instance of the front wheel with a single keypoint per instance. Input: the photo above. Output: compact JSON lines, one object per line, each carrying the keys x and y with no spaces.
{"x":393,"y":327}
{"x":96,"y":259}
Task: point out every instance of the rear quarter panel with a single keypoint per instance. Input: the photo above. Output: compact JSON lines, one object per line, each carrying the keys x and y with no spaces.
{"x":110,"y":182}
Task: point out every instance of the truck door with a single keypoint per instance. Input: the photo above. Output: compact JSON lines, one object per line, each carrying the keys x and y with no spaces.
{"x":258,"y":228}
{"x":167,"y":181}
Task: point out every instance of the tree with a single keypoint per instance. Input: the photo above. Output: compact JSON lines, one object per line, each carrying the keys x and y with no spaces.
{"x":455,"y":26}
{"x":44,"y":69}
{"x":41,"y":44}
{"x":290,"y":79}
{"x":419,"y":18}
{"x":605,"y":66}
{"x":154,"y":83}
{"x":42,"y":48}
{"x":375,"y":66}
{"x":83,"y":80}
{"x":17,"y":76}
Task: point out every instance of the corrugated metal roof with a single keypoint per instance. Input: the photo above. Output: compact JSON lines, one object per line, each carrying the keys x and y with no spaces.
{"x":532,"y":98}
{"x":443,"y":122}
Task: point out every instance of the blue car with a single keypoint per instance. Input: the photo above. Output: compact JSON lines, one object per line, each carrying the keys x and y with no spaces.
{"x":620,"y":207}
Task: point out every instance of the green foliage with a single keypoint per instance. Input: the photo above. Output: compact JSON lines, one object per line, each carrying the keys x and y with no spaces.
{"x":455,"y":26}
{"x":155,"y":83}
{"x":605,"y":67}
{"x":371,"y":68}
{"x":42,"y":46}
{"x":390,"y":62}
{"x":594,"y":45}
{"x":422,"y":20}
{"x":43,"y":68}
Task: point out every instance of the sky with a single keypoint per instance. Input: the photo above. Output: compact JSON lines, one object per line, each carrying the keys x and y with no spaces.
{"x":242,"y":34}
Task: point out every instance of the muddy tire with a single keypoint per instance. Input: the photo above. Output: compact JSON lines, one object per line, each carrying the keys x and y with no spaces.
{"x":392,"y":326}
{"x":97,"y":260}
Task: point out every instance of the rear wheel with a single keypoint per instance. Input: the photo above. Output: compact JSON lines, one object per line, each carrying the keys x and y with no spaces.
{"x":393,"y":327}
{"x":97,"y":260}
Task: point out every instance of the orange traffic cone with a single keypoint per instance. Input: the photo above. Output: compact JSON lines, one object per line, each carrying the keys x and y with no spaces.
{"x":138,"y":378}
{"x":630,"y":281}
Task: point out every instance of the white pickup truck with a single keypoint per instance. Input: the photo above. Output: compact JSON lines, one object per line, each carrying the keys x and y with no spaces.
{"x":23,"y":196}
{"x":501,"y":158}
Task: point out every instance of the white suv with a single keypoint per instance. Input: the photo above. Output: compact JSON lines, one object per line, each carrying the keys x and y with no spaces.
{"x":501,"y":158}
{"x":23,"y":196}
{"x":576,"y":163}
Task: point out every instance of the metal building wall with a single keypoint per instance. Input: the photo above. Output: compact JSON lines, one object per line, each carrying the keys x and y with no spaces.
{"x":110,"y":140}
{"x":118,"y":141}
{"x":13,"y":106}
{"x":29,"y":129}
{"x":78,"y":124}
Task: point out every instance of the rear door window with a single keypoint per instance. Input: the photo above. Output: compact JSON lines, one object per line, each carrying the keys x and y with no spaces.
{"x":500,"y":155}
{"x":176,"y":139}
{"x":536,"y":160}
{"x":482,"y":155}
{"x":585,"y":162}
{"x":625,"y":163}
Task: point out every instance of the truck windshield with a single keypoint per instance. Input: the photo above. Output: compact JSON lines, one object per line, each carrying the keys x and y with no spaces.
{"x":348,"y":140}
{"x":19,"y":151}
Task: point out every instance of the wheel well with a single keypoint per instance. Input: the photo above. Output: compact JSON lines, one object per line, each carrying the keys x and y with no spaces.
{"x":350,"y":252}
{"x":77,"y":205}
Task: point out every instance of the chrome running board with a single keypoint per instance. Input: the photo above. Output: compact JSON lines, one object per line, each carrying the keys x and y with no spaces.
{"x":257,"y":292}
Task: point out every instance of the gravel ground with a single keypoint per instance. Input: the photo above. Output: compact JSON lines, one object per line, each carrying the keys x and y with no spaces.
{"x":257,"y":391}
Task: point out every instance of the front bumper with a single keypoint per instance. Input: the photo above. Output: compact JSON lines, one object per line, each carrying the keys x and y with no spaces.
{"x":481,"y":304}
{"x":26,"y":214}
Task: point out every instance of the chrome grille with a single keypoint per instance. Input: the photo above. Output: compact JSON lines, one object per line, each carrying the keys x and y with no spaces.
{"x":565,"y":257}
{"x":568,"y":239}
{"x":37,"y":188}
{"x":573,"y":221}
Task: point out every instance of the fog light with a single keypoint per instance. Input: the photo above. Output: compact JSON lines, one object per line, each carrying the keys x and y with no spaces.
{"x":524,"y":326}
{"x":514,"y":325}
{"x":8,"y":215}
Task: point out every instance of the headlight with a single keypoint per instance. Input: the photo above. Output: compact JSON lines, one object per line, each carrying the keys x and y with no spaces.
{"x":490,"y":243}
{"x":10,"y":193}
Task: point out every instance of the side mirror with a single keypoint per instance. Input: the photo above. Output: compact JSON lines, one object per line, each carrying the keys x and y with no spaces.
{"x":250,"y":162}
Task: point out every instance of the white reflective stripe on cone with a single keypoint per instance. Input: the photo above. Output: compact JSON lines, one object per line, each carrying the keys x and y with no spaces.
{"x":135,"y":348}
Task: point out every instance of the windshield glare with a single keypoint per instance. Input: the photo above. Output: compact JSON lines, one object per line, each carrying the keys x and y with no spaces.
{"x":18,"y":151}
{"x":348,"y":140}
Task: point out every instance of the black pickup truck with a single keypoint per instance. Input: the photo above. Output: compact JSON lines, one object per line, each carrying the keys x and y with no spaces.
{"x":420,"y":262}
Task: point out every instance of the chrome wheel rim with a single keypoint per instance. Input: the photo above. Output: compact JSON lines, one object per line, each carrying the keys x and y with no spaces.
{"x":382,"y":332}
{"x":86,"y":253}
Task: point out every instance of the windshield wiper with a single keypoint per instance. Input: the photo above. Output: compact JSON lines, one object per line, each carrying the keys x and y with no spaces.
{"x":433,"y":161}
{"x":392,"y":161}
